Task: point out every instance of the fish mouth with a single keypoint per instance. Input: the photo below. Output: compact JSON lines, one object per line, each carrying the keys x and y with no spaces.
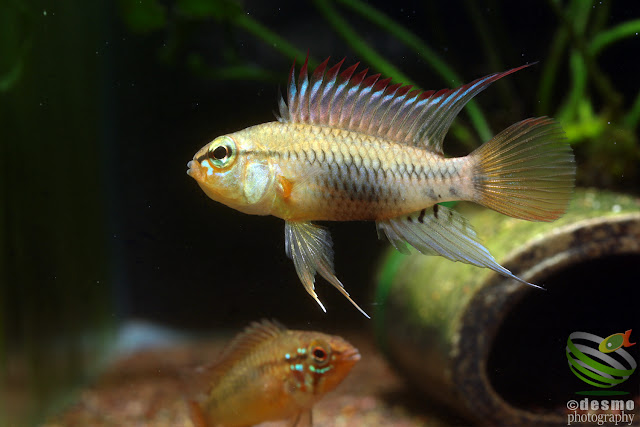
{"x":190,"y":168}
{"x":351,"y":355}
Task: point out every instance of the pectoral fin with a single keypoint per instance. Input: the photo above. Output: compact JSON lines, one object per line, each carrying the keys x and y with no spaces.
{"x":310,"y":248}
{"x":303,"y":419}
{"x":290,"y":189}
{"x":438,"y":230}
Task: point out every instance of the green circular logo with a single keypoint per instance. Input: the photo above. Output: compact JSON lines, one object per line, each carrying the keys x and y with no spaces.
{"x":594,"y":367}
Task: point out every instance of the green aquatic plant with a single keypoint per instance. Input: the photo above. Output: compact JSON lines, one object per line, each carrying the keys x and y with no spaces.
{"x":605,"y":133}
{"x":15,"y":43}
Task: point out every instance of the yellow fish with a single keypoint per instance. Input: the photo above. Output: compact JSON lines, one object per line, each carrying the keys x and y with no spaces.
{"x":270,"y":373}
{"x":353,"y":147}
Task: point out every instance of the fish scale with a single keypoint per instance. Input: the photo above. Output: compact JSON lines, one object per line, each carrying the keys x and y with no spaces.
{"x":390,"y":186}
{"x":350,"y":147}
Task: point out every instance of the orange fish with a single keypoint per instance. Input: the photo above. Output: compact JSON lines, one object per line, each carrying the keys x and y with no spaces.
{"x":353,"y":147}
{"x":270,"y":373}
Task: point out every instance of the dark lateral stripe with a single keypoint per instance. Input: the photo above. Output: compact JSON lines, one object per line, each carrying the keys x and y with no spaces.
{"x":295,"y":358}
{"x":259,"y":153}
{"x":265,"y":153}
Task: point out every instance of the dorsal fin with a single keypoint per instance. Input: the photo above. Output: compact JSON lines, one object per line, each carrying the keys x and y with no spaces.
{"x":242,"y":345}
{"x":371,"y":105}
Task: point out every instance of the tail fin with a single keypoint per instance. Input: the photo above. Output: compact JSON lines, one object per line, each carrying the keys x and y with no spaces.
{"x":527,"y":171}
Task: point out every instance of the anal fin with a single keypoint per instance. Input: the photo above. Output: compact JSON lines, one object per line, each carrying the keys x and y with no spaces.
{"x":438,"y":230}
{"x":310,"y":248}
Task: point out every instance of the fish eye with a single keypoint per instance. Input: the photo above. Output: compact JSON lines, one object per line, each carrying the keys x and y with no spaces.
{"x":319,"y":354}
{"x":222,"y":151}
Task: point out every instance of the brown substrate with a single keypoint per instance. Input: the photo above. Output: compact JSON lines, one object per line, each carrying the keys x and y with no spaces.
{"x":145,"y":389}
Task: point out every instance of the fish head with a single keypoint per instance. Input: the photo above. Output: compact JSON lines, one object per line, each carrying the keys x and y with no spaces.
{"x":322,"y":362}
{"x":228,"y":173}
{"x":332,"y":358}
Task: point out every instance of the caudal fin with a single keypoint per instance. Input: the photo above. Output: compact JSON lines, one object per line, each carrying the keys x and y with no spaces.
{"x":526,"y":171}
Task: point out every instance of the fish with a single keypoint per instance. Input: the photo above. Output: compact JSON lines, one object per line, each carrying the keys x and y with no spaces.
{"x":270,"y":373}
{"x":350,"y":146}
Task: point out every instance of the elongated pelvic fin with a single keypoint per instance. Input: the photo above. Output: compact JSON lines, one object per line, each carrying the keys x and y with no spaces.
{"x":438,"y":230}
{"x":196,"y":414}
{"x":303,"y":419}
{"x":371,"y":105}
{"x":526,"y":171}
{"x":310,"y":248}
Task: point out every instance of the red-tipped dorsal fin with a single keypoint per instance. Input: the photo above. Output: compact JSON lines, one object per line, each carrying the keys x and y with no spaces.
{"x":368,"y":104}
{"x":303,"y":92}
{"x":243,"y":345}
{"x":328,"y":93}
{"x":315,"y":92}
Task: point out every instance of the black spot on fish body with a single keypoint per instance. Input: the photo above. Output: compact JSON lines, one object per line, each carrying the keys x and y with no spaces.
{"x":432,"y":194}
{"x":435,"y":211}
{"x":421,"y":217}
{"x":453,"y":191}
{"x":409,"y":219}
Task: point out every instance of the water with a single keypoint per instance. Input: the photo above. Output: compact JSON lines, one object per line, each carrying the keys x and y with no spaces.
{"x":103,"y":105}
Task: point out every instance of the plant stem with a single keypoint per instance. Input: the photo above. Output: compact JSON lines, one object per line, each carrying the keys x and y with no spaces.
{"x":355,"y":41}
{"x":550,"y":70}
{"x":405,"y":36}
{"x":576,"y":33}
{"x":272,"y":39}
{"x":231,"y":72}
{"x":412,"y":41}
{"x":482,"y":26}
{"x":580,"y":16}
{"x":632,"y":118}
{"x":569,"y":110}
{"x":601,"y":13}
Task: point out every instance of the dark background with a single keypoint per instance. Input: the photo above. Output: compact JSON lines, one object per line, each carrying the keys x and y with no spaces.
{"x":175,"y":256}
